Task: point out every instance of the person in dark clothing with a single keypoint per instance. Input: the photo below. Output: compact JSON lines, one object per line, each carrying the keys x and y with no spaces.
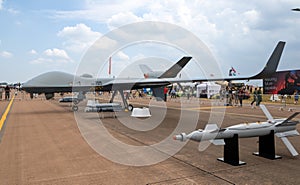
{"x":254,"y":97}
{"x":7,"y":92}
{"x":241,"y":94}
{"x":259,"y":97}
{"x":296,"y":97}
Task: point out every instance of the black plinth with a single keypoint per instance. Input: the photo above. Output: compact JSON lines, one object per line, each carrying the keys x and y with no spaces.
{"x":231,"y":151}
{"x":266,"y":147}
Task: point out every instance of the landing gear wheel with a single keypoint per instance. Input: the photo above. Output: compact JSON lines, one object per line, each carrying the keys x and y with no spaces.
{"x":130,"y":107}
{"x":74,"y":108}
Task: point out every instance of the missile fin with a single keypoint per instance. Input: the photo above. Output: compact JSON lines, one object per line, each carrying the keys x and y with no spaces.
{"x":289,"y":146}
{"x":267,"y":113}
{"x":210,"y":127}
{"x":287,"y":133}
{"x":288,"y":119}
{"x":218,"y":141}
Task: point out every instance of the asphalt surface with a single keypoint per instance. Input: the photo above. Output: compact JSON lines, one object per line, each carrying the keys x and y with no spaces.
{"x":42,"y":144}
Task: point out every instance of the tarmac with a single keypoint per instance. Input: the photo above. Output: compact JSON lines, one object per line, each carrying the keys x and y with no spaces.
{"x":41,"y":143}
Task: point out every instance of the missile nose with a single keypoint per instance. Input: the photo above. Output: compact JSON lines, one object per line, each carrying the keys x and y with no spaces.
{"x":177,"y":137}
{"x":180,"y":137}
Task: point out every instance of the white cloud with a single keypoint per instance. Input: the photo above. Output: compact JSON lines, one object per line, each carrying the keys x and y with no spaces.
{"x":121,"y":19}
{"x":252,"y":16}
{"x":9,"y":10}
{"x":13,"y":11}
{"x":79,"y":31}
{"x":233,"y":31}
{"x":33,"y":52}
{"x":100,"y":11}
{"x":122,"y":56}
{"x":78,"y":38}
{"x":54,"y":57}
{"x":139,"y":56}
{"x":1,"y":4}
{"x":41,"y":61}
{"x":49,"y":61}
{"x":6,"y":54}
{"x":56,"y":53}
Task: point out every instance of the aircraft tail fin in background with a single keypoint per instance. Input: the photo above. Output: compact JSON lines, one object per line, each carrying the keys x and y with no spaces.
{"x":272,"y":63}
{"x":145,"y":69}
{"x":176,"y":68}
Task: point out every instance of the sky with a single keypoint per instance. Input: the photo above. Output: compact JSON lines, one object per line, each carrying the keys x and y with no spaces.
{"x":40,"y":36}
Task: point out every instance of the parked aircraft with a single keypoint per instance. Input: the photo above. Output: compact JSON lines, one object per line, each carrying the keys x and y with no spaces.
{"x":59,"y":82}
{"x":282,"y":128}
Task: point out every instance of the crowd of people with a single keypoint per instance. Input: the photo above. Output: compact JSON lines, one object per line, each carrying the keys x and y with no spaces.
{"x":234,"y":96}
{"x":6,"y":91}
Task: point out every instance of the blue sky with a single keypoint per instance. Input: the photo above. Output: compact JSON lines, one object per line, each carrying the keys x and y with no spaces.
{"x":40,"y":36}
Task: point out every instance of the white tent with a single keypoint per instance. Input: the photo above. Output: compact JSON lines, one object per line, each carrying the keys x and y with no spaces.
{"x":208,"y":89}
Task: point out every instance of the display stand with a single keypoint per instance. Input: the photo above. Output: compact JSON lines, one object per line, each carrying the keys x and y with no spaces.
{"x":266,"y":147}
{"x":231,"y":151}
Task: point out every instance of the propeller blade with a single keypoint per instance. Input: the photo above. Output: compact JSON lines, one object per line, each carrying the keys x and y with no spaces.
{"x":289,"y":146}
